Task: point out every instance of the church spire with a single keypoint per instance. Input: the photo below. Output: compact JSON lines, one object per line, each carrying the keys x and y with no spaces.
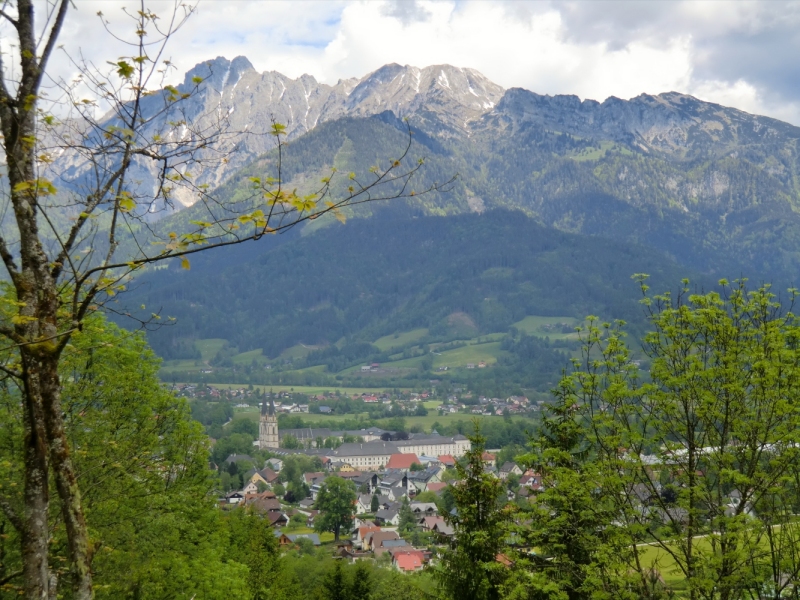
{"x":268,"y":426}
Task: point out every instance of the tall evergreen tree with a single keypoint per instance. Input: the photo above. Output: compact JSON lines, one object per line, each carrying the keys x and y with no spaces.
{"x":470,"y":569}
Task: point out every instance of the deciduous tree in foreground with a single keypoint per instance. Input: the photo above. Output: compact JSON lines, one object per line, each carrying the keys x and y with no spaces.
{"x":689,"y":475}
{"x":67,"y":250}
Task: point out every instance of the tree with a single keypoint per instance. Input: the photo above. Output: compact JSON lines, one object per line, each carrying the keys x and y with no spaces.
{"x":719,"y":421}
{"x":290,"y":442}
{"x":335,"y":584}
{"x":374,"y":504}
{"x":336,"y":503}
{"x":362,"y":581}
{"x":253,"y":543}
{"x":67,"y":252}
{"x":469,"y":569}
{"x":136,"y":436}
{"x":572,"y":521}
{"x":407,"y":522}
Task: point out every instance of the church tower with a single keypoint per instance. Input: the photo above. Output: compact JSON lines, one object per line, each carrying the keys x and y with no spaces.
{"x":268,"y":426}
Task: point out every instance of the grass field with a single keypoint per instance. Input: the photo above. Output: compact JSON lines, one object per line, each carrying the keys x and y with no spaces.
{"x":473,"y":353}
{"x":209,"y":348}
{"x":176,"y":366}
{"x":245,"y":358}
{"x":399,"y":340}
{"x":484,"y":348}
{"x":324,"y":537}
{"x":541,"y":327}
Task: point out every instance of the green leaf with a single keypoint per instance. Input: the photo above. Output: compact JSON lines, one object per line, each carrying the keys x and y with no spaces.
{"x":127,"y":204}
{"x":124,"y":69}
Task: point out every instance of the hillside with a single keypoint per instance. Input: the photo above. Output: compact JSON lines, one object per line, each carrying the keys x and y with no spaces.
{"x":461,"y":276}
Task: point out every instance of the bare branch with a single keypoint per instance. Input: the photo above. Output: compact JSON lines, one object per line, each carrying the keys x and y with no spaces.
{"x":51,"y":39}
{"x":8,"y":18}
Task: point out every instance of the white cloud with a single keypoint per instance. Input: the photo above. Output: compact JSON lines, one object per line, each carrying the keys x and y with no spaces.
{"x":592,"y":49}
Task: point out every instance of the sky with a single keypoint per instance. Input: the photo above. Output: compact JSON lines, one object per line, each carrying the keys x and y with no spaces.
{"x":737,"y":53}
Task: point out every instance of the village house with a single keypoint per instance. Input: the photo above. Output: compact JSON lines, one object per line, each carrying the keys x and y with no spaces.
{"x":422,"y":479}
{"x":408,"y":561}
{"x":424,"y":509}
{"x":361,"y":534}
{"x":290,"y":540}
{"x":437,"y":488}
{"x":364,"y":504}
{"x":402,"y":461}
{"x":277,"y":519}
{"x":428,"y":523}
{"x":234,"y":497}
{"x":387,"y":517}
{"x":375,"y":539}
{"x":509,"y":468}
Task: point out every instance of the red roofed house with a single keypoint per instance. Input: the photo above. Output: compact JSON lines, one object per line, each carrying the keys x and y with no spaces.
{"x":531,"y":480}
{"x":402,"y":461}
{"x":362,"y":533}
{"x":447,"y":460}
{"x":312,"y":477}
{"x":488,"y":458}
{"x":437,"y":487}
{"x":408,"y":562}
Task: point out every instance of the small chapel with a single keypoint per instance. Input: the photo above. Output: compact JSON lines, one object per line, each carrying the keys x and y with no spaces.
{"x":268,"y":426}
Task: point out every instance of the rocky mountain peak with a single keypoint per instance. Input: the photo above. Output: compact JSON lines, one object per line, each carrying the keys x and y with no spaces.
{"x":443,"y":100}
{"x":671,"y":123}
{"x":455,"y":95}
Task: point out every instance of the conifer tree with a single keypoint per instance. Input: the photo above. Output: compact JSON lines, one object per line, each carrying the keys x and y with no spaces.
{"x":470,"y":569}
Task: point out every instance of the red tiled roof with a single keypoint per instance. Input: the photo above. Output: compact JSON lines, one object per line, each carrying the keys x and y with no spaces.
{"x":446,"y":459}
{"x":363,"y":531}
{"x":402,"y":461}
{"x":436,"y":487}
{"x":487,"y":456}
{"x":410,"y":561}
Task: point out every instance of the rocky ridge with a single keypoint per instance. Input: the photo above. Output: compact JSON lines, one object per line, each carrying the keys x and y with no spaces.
{"x":456,"y":104}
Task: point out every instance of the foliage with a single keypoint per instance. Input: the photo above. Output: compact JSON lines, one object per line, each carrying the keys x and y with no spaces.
{"x":336,"y":503}
{"x":699,"y":460}
{"x":142,"y":463}
{"x":407,"y":522}
{"x":572,"y":525}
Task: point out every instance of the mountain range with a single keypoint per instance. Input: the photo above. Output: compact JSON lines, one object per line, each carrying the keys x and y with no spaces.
{"x":712,"y":189}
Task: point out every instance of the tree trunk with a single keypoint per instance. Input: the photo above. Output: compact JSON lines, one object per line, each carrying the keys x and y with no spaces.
{"x":37,"y":333}
{"x":66,"y":480}
{"x":34,"y":531}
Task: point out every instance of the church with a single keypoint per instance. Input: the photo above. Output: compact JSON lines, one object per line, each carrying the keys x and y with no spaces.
{"x":268,"y":426}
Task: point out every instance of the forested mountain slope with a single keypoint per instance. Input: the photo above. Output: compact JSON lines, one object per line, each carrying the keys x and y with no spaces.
{"x":368,"y":278}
